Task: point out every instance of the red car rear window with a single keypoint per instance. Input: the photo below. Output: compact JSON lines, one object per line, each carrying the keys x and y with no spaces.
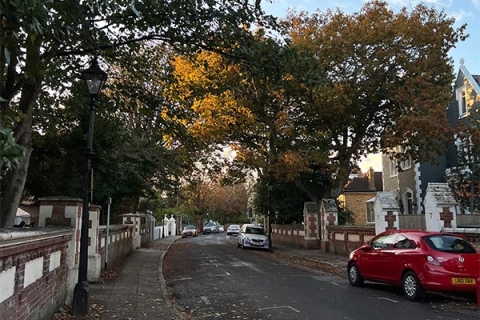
{"x":449,"y":243}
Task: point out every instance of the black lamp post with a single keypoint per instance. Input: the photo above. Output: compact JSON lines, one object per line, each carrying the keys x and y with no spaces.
{"x":164,"y":221}
{"x":269,"y":188}
{"x":94,"y":78}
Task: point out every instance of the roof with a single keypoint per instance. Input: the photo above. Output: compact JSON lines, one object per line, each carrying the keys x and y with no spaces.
{"x":441,"y":193}
{"x":473,"y":79}
{"x":310,"y":207}
{"x":361,"y":184}
{"x":329,"y":205}
{"x":387,"y":200}
{"x":476,"y":77}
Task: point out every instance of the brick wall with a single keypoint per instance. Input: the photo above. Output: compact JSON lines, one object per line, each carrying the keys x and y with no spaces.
{"x":33,"y":273}
{"x":293,"y":234}
{"x":344,"y":239}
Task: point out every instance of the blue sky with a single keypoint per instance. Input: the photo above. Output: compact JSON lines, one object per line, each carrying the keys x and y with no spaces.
{"x":464,"y":11}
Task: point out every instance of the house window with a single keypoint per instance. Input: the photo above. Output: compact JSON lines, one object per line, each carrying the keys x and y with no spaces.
{"x":408,"y":201}
{"x":462,"y":101}
{"x":370,"y":211}
{"x":393,"y":167}
{"x":406,"y":164}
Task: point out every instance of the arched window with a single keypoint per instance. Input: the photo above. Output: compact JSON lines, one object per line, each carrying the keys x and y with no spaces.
{"x":408,"y":202}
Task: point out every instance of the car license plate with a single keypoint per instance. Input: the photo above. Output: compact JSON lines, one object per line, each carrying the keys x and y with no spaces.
{"x":463,"y":281}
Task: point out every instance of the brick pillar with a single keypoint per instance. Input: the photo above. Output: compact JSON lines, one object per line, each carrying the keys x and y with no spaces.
{"x":311,"y":216}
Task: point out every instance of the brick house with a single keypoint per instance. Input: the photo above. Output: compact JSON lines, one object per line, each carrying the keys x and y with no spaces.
{"x":358,"y":194}
{"x":412,"y":182}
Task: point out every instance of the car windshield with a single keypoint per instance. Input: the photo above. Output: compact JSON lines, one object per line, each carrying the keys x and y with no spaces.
{"x":254,"y":230}
{"x":189,"y":227}
{"x":234,"y":226}
{"x":449,"y":243}
{"x":209,"y":224}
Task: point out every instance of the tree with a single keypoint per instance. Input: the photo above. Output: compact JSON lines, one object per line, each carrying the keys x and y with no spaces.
{"x":464,"y":177}
{"x":229,"y":202}
{"x":284,"y":200}
{"x":139,"y":144}
{"x":337,"y":88}
{"x":10,"y":151}
{"x":388,"y":80}
{"x":251,"y":106}
{"x":43,"y":44}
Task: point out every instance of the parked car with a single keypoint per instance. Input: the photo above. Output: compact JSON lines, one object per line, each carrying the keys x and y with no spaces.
{"x":220,"y":228}
{"x":418,"y":261}
{"x":210,"y":227}
{"x":189,"y":230}
{"x":233,"y":229}
{"x":252,"y":236}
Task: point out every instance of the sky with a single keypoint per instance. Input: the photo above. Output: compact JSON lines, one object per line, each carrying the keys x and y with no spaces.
{"x":464,"y":11}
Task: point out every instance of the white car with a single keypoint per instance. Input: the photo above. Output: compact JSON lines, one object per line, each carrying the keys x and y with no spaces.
{"x":233,"y":229}
{"x":252,"y":236}
{"x":220,"y":228}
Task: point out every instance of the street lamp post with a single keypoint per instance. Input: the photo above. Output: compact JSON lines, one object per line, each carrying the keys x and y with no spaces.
{"x":94,"y":78}
{"x":269,"y":188}
{"x":164,"y":221}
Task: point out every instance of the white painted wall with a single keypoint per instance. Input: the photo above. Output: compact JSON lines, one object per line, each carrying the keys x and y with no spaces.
{"x":7,"y":279}
{"x":33,"y":271}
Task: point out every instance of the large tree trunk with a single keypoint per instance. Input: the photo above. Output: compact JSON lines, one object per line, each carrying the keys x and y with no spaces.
{"x":13,"y":182}
{"x":12,"y":188}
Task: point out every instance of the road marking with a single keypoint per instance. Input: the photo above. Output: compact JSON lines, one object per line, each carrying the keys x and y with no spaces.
{"x":205,"y":299}
{"x":252,"y":267}
{"x":182,"y":279}
{"x":297,"y":311}
{"x":335,"y":284}
{"x":221,"y":275}
{"x":391,"y":300}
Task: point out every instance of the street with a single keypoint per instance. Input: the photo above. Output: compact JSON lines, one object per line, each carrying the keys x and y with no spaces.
{"x":208,"y":277}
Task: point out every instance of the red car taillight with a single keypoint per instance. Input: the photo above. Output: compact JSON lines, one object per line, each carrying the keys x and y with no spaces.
{"x":433,"y":260}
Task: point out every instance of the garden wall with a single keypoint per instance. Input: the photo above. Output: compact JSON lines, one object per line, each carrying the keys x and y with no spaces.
{"x":33,"y":273}
{"x":344,"y":239}
{"x":292,"y":234}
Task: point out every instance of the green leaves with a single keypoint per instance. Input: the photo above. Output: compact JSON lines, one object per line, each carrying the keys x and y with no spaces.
{"x":10,"y":151}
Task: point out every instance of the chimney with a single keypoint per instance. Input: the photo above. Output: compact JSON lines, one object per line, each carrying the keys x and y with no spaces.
{"x":371,"y":178}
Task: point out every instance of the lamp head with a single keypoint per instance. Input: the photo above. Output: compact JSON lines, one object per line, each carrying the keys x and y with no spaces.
{"x":94,"y":78}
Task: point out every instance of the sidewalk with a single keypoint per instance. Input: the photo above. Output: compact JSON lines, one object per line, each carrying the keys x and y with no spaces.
{"x":139,"y":292}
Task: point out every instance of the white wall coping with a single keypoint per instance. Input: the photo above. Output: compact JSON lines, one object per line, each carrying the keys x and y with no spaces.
{"x":12,"y":237}
{"x":461,"y":230}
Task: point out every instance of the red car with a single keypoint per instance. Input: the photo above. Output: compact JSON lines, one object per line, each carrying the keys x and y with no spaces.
{"x":418,"y":261}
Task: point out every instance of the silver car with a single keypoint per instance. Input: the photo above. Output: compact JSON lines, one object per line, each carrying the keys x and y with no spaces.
{"x":252,"y":236}
{"x":233,"y":229}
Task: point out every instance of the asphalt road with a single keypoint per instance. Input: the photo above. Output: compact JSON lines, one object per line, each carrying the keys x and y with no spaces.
{"x":208,"y":277}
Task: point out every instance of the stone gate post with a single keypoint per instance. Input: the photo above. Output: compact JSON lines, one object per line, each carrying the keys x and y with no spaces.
{"x":386,"y":211}
{"x":440,"y":207}
{"x":311,"y":217}
{"x":134,"y":220}
{"x":328,"y":216}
